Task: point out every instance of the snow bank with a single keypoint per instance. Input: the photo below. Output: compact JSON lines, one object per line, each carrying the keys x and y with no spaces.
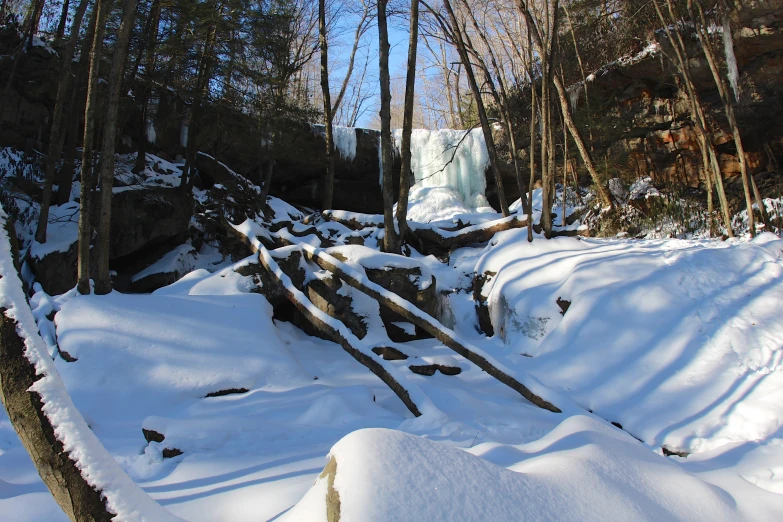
{"x":679,"y":341}
{"x":62,"y":231}
{"x":97,"y":466}
{"x":450,"y":158}
{"x":582,"y":470}
{"x":431,"y":203}
{"x":179,"y":261}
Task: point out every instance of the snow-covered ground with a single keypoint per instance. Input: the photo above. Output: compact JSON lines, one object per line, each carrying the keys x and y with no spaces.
{"x":652,"y":346}
{"x":679,"y":342}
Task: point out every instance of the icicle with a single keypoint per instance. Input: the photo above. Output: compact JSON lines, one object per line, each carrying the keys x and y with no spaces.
{"x":574,"y":94}
{"x":345,"y":141}
{"x":731,"y":59}
{"x":380,"y":162}
{"x":151,"y":134}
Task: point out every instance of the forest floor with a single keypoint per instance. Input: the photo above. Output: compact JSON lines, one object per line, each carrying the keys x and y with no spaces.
{"x":665,"y":345}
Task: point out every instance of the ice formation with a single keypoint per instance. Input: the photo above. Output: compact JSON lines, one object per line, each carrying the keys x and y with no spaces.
{"x":344,"y":139}
{"x":456,"y":159}
{"x":731,"y":59}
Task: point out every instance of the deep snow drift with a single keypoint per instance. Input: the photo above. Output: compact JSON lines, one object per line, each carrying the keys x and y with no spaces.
{"x":677,"y":341}
{"x":581,"y":470}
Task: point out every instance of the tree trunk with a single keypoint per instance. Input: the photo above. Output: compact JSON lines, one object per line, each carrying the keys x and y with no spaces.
{"x":70,"y":490}
{"x":100,"y":13}
{"x":149,"y":66}
{"x":270,"y":167}
{"x":407,"y":122}
{"x":572,"y":128}
{"x":327,"y":104}
{"x":106,"y":164}
{"x":25,"y":410}
{"x":391,"y":241}
{"x":480,"y":109}
{"x":66,"y":174}
{"x":57,"y":133}
{"x":533,"y":116}
{"x":697,"y":113}
{"x":565,"y":174}
{"x":202,"y":84}
{"x":35,"y":20}
{"x":728,"y":105}
{"x":60,"y":34}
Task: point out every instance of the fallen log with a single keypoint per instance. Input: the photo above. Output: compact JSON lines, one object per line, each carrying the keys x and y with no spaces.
{"x":426,"y":237}
{"x":341,"y":335}
{"x":423,"y":320}
{"x":353,"y":220}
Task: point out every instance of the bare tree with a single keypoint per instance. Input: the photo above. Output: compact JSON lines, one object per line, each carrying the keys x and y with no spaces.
{"x":101,"y":12}
{"x":453,"y":29}
{"x":106,"y":164}
{"x":538,"y":40}
{"x":327,"y":105}
{"x":709,"y":156}
{"x":407,"y":125}
{"x":727,"y":100}
{"x":57,"y":134}
{"x":391,"y":242}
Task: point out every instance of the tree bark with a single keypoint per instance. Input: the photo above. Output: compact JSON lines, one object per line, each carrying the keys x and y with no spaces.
{"x":572,"y":128}
{"x":149,"y":66}
{"x":79,"y":500}
{"x":711,"y":166}
{"x":407,"y":122}
{"x":101,"y":12}
{"x":106,"y":164}
{"x":327,"y":105}
{"x":57,"y":134}
{"x":480,"y":109}
{"x":391,"y":241}
{"x":60,"y":33}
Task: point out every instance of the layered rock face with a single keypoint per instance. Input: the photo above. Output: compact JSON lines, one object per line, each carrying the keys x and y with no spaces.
{"x":637,"y":110}
{"x":644,"y":115}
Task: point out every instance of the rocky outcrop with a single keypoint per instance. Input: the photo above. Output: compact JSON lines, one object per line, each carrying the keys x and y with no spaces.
{"x":25,"y":106}
{"x":146,"y":223}
{"x":56,"y":271}
{"x":643,"y":114}
{"x":146,"y":218}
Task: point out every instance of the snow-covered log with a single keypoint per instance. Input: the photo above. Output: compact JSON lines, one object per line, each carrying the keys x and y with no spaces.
{"x":425,"y":235}
{"x":85,"y":480}
{"x":413,"y":398}
{"x":423,"y":320}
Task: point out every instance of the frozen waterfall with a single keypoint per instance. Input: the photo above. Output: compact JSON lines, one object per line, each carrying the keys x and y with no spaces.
{"x":453,"y":159}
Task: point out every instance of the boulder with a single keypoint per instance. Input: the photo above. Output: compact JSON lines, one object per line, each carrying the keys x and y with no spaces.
{"x":149,"y":217}
{"x":56,"y":271}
